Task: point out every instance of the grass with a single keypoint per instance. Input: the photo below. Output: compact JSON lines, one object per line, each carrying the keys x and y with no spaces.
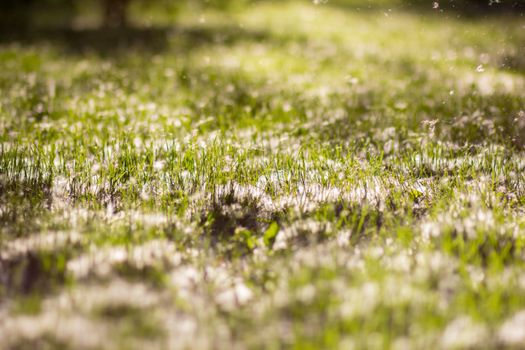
{"x":279,"y":175}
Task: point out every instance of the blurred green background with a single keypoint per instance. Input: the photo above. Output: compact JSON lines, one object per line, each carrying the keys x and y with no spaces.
{"x":21,"y":14}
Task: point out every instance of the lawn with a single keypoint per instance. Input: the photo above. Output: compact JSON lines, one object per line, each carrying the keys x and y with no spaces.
{"x":277,"y":175}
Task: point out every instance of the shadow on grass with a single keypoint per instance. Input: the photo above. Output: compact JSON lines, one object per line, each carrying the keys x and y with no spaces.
{"x":33,"y":272}
{"x":466,"y":9}
{"x":115,"y":41}
{"x":22,"y":203}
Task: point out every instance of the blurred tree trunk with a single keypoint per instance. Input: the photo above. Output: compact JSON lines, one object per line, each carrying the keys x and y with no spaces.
{"x":115,"y":13}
